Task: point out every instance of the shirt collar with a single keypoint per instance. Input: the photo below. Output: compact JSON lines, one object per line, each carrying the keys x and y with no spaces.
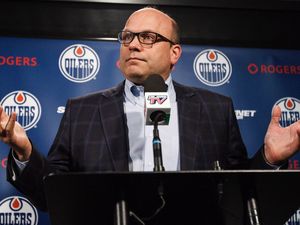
{"x":129,"y":95}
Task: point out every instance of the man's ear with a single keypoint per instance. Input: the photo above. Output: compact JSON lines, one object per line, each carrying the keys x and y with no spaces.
{"x":118,"y":63}
{"x":175,"y":53}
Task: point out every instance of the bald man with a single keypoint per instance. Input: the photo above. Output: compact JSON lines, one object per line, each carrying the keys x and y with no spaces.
{"x":105,"y":131}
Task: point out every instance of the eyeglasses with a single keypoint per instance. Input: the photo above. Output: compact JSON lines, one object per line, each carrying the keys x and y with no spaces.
{"x":145,"y":37}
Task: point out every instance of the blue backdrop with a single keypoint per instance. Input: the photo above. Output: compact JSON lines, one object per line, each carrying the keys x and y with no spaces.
{"x":37,"y":76}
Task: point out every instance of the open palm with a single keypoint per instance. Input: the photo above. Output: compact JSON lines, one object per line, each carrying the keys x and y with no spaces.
{"x":281,"y":143}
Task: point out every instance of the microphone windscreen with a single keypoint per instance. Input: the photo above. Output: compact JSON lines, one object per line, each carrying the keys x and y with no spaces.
{"x":155,"y":83}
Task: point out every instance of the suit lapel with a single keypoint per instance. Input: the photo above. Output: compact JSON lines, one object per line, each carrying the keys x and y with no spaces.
{"x":188,"y":112}
{"x":114,"y":126}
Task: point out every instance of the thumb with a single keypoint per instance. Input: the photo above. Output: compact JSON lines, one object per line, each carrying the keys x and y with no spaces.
{"x":276,"y":115}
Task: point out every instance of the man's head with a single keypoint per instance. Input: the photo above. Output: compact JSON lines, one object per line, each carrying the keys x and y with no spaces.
{"x":139,"y":60}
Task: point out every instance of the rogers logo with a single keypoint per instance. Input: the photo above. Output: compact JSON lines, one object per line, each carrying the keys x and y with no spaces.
{"x":273,"y":69}
{"x":3,"y":163}
{"x":18,"y":61}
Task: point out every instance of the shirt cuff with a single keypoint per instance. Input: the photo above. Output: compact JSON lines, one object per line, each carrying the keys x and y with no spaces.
{"x":21,"y":164}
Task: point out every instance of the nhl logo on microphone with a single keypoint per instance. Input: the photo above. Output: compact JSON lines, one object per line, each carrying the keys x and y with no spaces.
{"x":157,"y":102}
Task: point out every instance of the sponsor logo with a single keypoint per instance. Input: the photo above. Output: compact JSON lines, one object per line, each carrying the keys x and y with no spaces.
{"x":157,"y":99}
{"x":3,"y":164}
{"x":212,"y":67}
{"x":241,"y":114}
{"x":79,"y":63}
{"x":17,"y":210}
{"x":290,"y":110}
{"x":273,"y":69}
{"x":18,"y":61}
{"x":26,"y":105}
{"x":61,"y":109}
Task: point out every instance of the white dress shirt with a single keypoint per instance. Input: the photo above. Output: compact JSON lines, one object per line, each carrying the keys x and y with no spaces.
{"x":140,"y":135}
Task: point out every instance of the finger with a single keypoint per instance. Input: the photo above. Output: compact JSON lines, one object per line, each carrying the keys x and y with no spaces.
{"x":1,"y":110}
{"x":298,"y":128}
{"x":11,"y":123}
{"x":276,"y":115}
{"x":4,"y":132}
{"x":3,"y":115}
{"x":2,"y":123}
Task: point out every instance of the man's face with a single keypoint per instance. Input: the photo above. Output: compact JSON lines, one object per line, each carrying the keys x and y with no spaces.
{"x":138,"y":61}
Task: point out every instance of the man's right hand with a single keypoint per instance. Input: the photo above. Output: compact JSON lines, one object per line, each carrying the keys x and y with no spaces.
{"x":14,"y":135}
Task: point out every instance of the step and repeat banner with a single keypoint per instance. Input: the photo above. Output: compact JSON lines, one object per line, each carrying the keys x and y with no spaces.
{"x":37,"y":76}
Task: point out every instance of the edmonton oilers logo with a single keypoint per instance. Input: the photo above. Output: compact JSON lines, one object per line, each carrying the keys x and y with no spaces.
{"x":17,"y":210}
{"x":79,"y":63}
{"x":212,"y":67}
{"x":290,"y":110}
{"x":26,"y":105}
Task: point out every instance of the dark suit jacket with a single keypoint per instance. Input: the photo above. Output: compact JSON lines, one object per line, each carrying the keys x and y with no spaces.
{"x":93,"y":136}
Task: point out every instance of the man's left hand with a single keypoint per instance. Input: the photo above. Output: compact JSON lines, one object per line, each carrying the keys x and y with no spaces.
{"x":281,"y":143}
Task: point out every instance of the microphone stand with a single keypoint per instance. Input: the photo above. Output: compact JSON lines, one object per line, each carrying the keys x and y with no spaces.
{"x":157,"y":155}
{"x":121,"y":213}
{"x":158,"y":162}
{"x":121,"y":208}
{"x":220,"y":192}
{"x":249,"y":192}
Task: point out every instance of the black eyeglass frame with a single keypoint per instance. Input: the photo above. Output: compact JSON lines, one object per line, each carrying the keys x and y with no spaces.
{"x":158,"y":37}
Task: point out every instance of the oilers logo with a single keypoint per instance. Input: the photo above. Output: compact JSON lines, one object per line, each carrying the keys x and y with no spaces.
{"x":295,"y":219}
{"x":290,"y":110}
{"x":17,"y":210}
{"x":212,"y":67}
{"x":26,"y":106}
{"x":79,"y":63}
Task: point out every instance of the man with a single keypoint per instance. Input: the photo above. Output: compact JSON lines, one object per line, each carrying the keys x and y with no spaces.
{"x":105,"y":132}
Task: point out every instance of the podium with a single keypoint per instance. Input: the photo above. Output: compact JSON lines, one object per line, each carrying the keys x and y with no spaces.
{"x":185,"y":197}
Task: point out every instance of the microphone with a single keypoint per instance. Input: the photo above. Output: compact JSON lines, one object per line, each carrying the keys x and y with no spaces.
{"x":157,"y":112}
{"x":157,"y":101}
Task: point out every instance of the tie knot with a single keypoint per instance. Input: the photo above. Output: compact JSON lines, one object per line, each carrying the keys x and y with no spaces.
{"x":135,"y":91}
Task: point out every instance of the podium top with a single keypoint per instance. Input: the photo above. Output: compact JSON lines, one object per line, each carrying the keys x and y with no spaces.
{"x":191,"y":197}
